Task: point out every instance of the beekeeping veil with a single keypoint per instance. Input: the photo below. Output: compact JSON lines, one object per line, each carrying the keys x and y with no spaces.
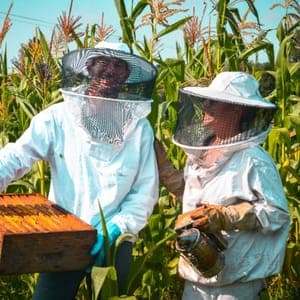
{"x":107,"y":113}
{"x":228,"y":114}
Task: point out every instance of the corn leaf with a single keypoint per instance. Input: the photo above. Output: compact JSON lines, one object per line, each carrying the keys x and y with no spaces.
{"x":172,"y":27}
{"x":104,"y":281}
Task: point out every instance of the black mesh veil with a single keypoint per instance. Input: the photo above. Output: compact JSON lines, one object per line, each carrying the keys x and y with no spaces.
{"x":107,"y":91}
{"x":139,"y":83}
{"x":204,"y":122}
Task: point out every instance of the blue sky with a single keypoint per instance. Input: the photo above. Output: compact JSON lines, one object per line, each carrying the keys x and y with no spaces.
{"x":27,"y":15}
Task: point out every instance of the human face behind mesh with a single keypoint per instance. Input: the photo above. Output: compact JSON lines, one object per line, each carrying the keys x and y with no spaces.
{"x":107,"y":75}
{"x":223,"y":118}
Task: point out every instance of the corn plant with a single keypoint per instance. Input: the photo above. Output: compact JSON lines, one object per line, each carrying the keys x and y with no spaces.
{"x":283,"y":145}
{"x":104,"y":279}
{"x":34,"y":86}
{"x":34,"y":82}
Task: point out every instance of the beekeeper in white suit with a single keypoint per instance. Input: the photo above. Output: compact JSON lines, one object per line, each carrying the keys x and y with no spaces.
{"x":232,"y":189}
{"x":99,"y":146}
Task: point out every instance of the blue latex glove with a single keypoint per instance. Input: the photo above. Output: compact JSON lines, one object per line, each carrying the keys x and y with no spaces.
{"x":98,"y":248}
{"x":98,"y":245}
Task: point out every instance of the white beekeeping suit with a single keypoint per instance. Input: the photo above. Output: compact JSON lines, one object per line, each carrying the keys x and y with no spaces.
{"x":98,"y":148}
{"x":232,"y":186}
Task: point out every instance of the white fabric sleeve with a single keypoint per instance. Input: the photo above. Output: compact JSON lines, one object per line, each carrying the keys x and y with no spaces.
{"x":271,"y":208}
{"x":16,"y":159}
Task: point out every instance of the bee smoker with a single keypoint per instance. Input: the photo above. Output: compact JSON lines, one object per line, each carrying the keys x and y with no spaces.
{"x":203,"y":251}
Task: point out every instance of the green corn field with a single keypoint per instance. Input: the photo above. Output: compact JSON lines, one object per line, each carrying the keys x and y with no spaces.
{"x":33,"y":82}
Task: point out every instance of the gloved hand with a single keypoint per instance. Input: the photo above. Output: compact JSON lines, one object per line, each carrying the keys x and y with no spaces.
{"x":214,"y":218}
{"x":98,"y":248}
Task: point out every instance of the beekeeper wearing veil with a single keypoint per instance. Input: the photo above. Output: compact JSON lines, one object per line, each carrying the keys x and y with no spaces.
{"x":235,"y":221}
{"x":99,"y":146}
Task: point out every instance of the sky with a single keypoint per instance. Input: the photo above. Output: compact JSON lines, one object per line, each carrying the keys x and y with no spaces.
{"x":30,"y":14}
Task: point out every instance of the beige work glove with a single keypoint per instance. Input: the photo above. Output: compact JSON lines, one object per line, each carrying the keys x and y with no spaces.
{"x":171,"y":178}
{"x":214,"y":218}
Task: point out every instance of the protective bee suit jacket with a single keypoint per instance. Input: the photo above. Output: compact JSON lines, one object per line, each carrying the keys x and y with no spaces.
{"x":83,"y":172}
{"x":244,"y":172}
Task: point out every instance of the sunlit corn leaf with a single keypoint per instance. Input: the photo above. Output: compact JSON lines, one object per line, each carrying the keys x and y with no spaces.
{"x":104,"y":281}
{"x":172,"y":27}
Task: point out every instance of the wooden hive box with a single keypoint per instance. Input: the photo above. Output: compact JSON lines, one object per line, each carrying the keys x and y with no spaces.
{"x":37,"y":236}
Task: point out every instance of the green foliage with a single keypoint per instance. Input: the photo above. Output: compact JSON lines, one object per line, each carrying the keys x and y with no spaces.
{"x":153,"y":272}
{"x":17,"y":287}
{"x":104,"y":280}
{"x":34,"y":84}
